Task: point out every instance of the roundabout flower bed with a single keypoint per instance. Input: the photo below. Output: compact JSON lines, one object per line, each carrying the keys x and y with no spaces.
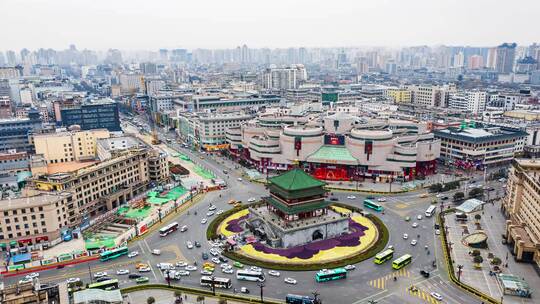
{"x":368,"y":237}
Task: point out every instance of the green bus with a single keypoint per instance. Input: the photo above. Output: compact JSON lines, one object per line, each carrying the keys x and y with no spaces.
{"x":113,"y":254}
{"x":402,"y":261}
{"x":330,"y":274}
{"x":372,"y":205}
{"x":384,"y":256}
{"x":105,"y":285}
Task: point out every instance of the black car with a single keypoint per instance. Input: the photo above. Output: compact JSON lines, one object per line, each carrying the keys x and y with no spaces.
{"x":424,"y":273}
{"x":197,"y":244}
{"x":134,"y":276}
{"x":223,"y":259}
{"x":444,"y":198}
{"x":370,"y":197}
{"x":102,"y":279}
{"x":334,"y":199}
{"x":205,"y":256}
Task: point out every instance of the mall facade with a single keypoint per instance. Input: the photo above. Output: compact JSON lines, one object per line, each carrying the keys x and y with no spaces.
{"x":339,"y":147}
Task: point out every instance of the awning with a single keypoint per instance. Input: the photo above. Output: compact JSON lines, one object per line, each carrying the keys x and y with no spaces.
{"x":42,"y":238}
{"x":24,"y":241}
{"x":21,"y":258}
{"x":3,"y":245}
{"x":13,"y":243}
{"x":333,"y":155}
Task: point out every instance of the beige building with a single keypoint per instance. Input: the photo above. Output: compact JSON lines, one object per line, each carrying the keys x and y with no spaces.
{"x":33,"y":219}
{"x":522,"y":208}
{"x":69,"y":146}
{"x":398,"y":95}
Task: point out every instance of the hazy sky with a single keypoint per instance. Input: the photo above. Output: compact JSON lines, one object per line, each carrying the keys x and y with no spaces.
{"x":153,"y":24}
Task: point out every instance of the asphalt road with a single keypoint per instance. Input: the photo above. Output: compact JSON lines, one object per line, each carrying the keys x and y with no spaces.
{"x":368,"y":282}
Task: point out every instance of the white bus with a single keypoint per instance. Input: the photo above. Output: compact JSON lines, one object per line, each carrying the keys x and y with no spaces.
{"x":430,"y":211}
{"x":172,"y":227}
{"x":218,"y":282}
{"x":248,"y":275}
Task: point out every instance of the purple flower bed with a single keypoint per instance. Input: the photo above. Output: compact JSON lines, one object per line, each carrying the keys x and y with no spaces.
{"x":233,"y":225}
{"x":309,"y":250}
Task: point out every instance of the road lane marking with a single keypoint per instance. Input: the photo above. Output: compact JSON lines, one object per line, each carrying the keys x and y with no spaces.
{"x":380,"y":283}
{"x":424,"y":295}
{"x":152,"y":268}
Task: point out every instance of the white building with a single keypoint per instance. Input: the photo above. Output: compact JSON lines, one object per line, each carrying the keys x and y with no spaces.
{"x":131,"y":83}
{"x":473,"y":102}
{"x":284,"y":78}
{"x":431,"y":95}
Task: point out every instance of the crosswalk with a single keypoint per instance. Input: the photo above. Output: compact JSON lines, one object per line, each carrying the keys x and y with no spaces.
{"x":423,"y":295}
{"x":380,"y":283}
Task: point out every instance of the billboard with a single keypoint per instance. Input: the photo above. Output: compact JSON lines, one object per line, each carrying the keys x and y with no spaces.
{"x":334,"y":140}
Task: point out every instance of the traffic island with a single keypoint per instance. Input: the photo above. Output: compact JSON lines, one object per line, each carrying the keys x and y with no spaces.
{"x":367,"y":237}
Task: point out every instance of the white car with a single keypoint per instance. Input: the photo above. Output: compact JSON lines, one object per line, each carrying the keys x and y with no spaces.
{"x":122,"y":271}
{"x":212,"y":208}
{"x":437,"y":231}
{"x":210,"y":213}
{"x":381,"y":199}
{"x":227,"y":270}
{"x":405,"y":236}
{"x":25,"y":280}
{"x":216,"y":261}
{"x":255,"y":268}
{"x":274,"y":273}
{"x":214,"y":252}
{"x":239,"y":179}
{"x":419,"y":217}
{"x":189,"y":245}
{"x":203,"y":221}
{"x":290,"y":281}
{"x":351,"y":197}
{"x":439,"y":195}
{"x":182,"y":273}
{"x":191,"y":268}
{"x":251,"y":200}
{"x":33,"y":275}
{"x":100,"y":274}
{"x":145,"y":269}
{"x":414,"y":242}
{"x":436,"y":296}
{"x":206,"y":272}
{"x":415,"y":224}
{"x":225,"y":265}
{"x":133,"y":254}
{"x":156,"y":252}
{"x":350,"y":267}
{"x":220,"y":211}
{"x":183,"y":228}
{"x":181,"y":264}
{"x":72,"y":280}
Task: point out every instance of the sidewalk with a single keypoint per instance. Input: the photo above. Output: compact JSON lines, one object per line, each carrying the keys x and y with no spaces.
{"x":167,"y":297}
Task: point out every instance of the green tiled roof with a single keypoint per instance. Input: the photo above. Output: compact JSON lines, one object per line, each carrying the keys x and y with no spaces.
{"x":296,"y":179}
{"x":333,"y":154}
{"x":298,"y":208}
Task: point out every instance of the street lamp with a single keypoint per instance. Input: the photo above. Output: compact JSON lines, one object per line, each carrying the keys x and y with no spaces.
{"x":213,"y":285}
{"x":261,"y":285}
{"x":459,"y":267}
{"x":169,"y":278}
{"x":159,"y":214}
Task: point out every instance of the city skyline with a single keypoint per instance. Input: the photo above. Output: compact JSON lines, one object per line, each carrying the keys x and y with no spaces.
{"x":135,"y":25}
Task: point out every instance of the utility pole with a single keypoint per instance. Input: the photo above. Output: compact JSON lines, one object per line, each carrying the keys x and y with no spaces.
{"x":90,"y":273}
{"x":261,"y":285}
{"x":213,"y":285}
{"x":459,"y":267}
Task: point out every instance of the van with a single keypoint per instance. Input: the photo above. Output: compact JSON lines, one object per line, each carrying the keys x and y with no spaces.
{"x":183,"y":228}
{"x":156,"y":252}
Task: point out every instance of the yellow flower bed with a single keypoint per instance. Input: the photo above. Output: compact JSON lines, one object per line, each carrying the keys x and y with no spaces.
{"x":340,"y":210}
{"x":223,"y":227}
{"x":323,"y":255}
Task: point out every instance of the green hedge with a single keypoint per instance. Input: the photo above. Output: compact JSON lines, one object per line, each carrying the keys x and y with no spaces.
{"x":450,"y":263}
{"x":198,"y":291}
{"x":379,"y":245}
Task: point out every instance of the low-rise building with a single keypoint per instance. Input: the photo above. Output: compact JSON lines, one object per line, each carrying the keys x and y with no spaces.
{"x":480,"y":145}
{"x":98,"y":114}
{"x":521,"y":205}
{"x":17,"y":133}
{"x":69,"y":146}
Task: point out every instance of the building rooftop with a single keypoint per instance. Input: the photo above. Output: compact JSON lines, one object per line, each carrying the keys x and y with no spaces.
{"x":95,"y":295}
{"x":478,"y":135}
{"x":333,"y":154}
{"x":68,"y":166}
{"x":296,"y":179}
{"x":41,"y":199}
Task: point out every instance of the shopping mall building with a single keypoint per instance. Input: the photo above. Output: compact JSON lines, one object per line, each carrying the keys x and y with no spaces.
{"x":337,"y":147}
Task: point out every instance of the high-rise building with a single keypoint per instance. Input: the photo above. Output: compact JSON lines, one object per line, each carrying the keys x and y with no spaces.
{"x":476,"y":62}
{"x":131,"y":83}
{"x":522,"y":208}
{"x":506,"y":54}
{"x":459,"y":59}
{"x":284,"y":78}
{"x":99,"y":114}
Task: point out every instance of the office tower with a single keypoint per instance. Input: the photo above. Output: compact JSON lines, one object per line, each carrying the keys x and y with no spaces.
{"x":506,"y":53}
{"x":98,"y":114}
{"x":244,"y":54}
{"x":476,"y":62}
{"x":491,"y":58}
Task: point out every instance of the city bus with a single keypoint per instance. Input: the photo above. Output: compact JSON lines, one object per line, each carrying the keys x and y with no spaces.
{"x":105,"y":285}
{"x":402,"y":261}
{"x":248,"y":275}
{"x":113,"y":254}
{"x":372,"y":205}
{"x":172,"y":227}
{"x":430,"y":211}
{"x":218,"y":282}
{"x":384,"y":256}
{"x":331,"y":274}
{"x":296,"y":299}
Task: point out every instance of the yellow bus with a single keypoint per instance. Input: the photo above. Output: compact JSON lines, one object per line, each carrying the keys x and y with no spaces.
{"x":384,"y":256}
{"x":402,"y":261}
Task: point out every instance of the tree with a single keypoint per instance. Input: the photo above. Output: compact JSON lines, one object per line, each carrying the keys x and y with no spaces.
{"x":478,"y":259}
{"x":476,"y":252}
{"x":177,"y":293}
{"x":150,"y":300}
{"x":222,"y":301}
{"x":476,"y":192}
{"x":200,"y":299}
{"x":496,"y":261}
{"x":435,"y":187}
{"x":458,"y":196}
{"x":477,"y":217}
